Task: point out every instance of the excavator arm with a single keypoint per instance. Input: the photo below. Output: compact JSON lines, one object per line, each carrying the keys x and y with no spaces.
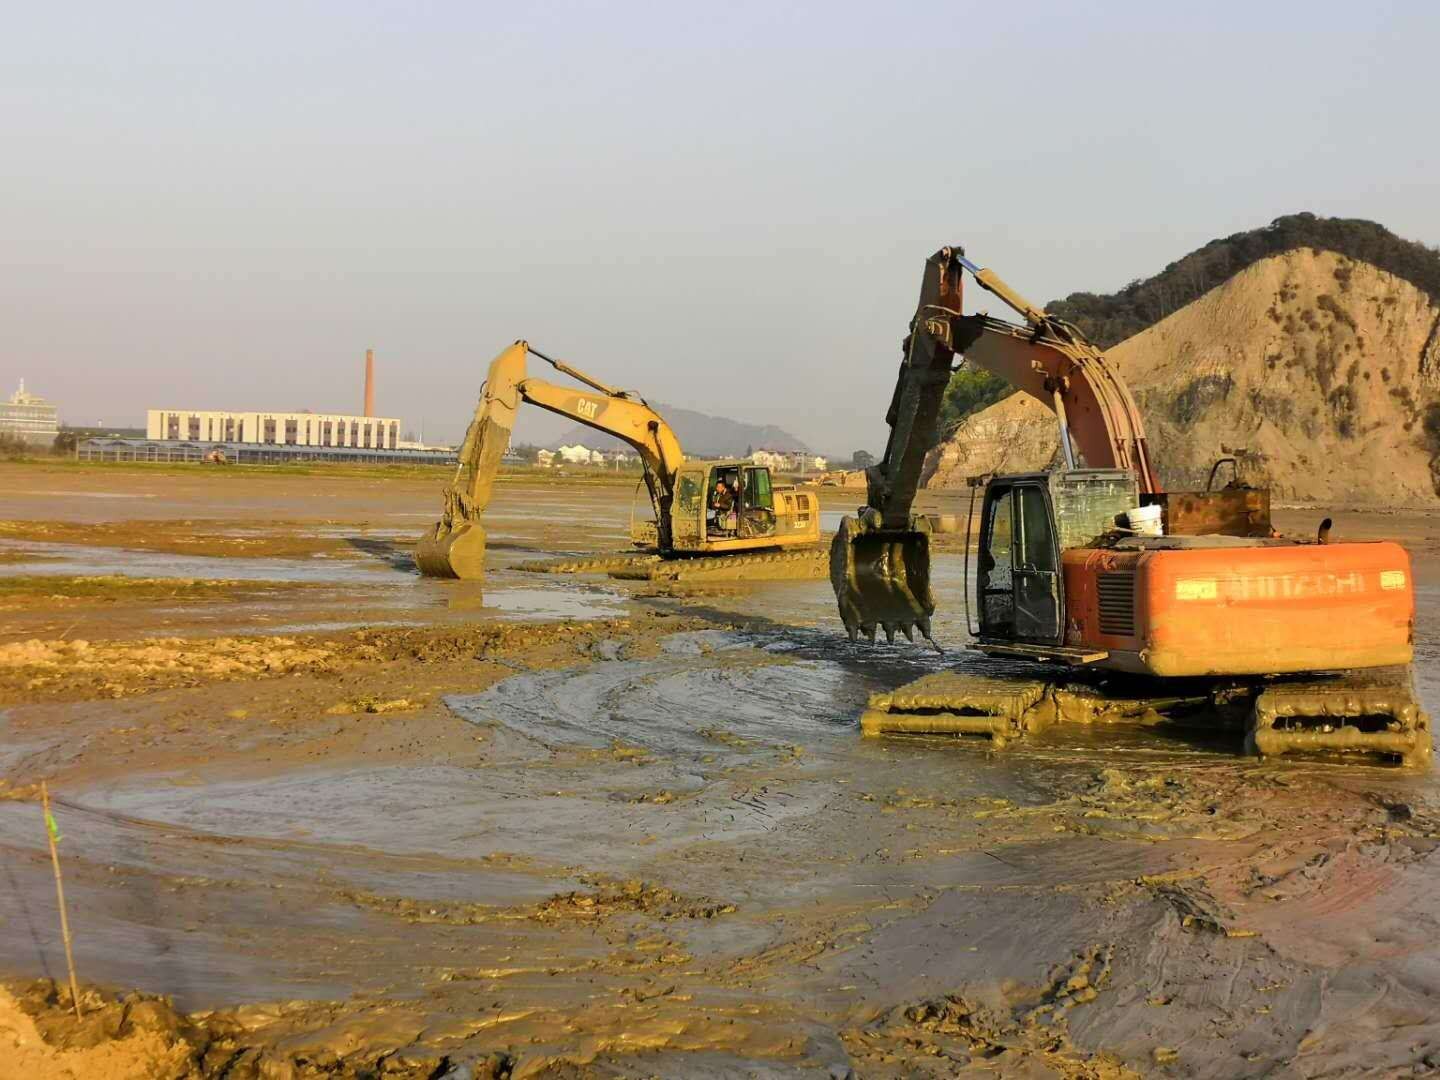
{"x":455,"y":547}
{"x":880,"y":560}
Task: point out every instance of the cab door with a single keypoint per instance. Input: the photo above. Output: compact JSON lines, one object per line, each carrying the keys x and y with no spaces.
{"x":687,"y":515}
{"x":1037,"y":565}
{"x":758,"y":503}
{"x":1019,"y":580}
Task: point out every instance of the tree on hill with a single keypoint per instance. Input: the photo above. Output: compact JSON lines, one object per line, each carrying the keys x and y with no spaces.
{"x":1112,"y":317}
{"x":969,"y":391}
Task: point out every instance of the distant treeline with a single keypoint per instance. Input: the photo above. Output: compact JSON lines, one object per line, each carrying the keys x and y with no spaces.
{"x":1109,"y":319}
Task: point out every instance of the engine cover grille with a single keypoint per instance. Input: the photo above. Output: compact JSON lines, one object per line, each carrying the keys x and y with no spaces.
{"x":1117,"y":603}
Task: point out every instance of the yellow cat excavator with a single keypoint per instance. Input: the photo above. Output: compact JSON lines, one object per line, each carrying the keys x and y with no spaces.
{"x":1126,"y":600}
{"x":729,"y":509}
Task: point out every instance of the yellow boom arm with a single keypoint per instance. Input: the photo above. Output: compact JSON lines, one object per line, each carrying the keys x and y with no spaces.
{"x":455,"y":547}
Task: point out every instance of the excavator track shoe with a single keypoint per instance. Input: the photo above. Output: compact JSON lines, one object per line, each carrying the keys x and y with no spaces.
{"x":803,"y":565}
{"x":594,"y":564}
{"x":1316,"y":718}
{"x":949,"y":703}
{"x":881,"y":579}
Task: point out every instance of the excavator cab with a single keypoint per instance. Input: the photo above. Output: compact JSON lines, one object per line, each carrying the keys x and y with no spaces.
{"x":1018,"y":581}
{"x":756,"y":506}
{"x":739,"y":502}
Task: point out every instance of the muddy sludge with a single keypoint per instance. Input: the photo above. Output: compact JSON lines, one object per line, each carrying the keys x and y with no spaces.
{"x":1255,"y":918}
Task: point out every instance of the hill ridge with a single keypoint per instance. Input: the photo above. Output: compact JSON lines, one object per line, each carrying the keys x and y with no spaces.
{"x":1320,"y":371}
{"x":701,"y":434}
{"x":1109,"y":318}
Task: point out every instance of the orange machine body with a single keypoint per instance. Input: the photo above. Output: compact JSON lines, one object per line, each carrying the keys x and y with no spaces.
{"x":1238,"y":608}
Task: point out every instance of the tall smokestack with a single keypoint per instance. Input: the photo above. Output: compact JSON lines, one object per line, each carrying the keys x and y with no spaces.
{"x":369,"y":382}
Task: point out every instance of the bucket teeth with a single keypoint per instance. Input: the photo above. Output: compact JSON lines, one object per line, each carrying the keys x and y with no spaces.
{"x":871,"y":631}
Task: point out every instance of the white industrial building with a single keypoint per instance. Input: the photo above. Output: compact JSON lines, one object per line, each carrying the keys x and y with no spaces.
{"x":580,"y":455}
{"x":789,"y":460}
{"x":274,"y":429}
{"x":29,"y":417}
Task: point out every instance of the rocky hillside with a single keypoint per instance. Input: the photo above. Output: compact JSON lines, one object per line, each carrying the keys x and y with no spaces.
{"x":1320,"y":371}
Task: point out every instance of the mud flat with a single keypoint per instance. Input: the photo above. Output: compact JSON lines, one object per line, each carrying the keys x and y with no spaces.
{"x":323,"y":818}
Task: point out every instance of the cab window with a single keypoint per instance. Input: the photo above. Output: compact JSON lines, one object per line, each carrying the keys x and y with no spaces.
{"x":758,"y":493}
{"x":689,"y":492}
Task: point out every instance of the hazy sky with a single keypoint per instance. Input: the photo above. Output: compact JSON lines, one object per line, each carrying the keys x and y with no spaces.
{"x":726,"y":206}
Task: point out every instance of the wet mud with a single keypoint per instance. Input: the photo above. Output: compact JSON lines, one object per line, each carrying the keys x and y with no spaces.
{"x":647,"y":837}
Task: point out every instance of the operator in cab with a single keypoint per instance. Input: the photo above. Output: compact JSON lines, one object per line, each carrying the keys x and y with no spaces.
{"x":722,"y":502}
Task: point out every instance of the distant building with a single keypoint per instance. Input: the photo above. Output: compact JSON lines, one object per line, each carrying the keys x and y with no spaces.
{"x":545,"y":458}
{"x":580,"y":455}
{"x":618,"y":458}
{"x":30,"y":417}
{"x":789,"y":460}
{"x":274,"y":429}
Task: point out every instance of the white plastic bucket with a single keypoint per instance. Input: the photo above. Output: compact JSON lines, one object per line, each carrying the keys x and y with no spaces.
{"x":1146,"y":521}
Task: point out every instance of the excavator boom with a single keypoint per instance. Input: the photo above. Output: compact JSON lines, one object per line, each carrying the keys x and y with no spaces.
{"x":880,"y":560}
{"x":455,"y":547}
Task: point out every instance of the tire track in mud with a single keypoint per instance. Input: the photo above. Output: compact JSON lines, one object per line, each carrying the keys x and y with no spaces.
{"x":711,"y":696}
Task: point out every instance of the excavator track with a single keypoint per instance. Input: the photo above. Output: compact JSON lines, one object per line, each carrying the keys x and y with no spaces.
{"x":592,"y":564}
{"x":1341,"y":718}
{"x":949,"y":703}
{"x":806,"y":564}
{"x":809,"y":564}
{"x":1354,"y":714}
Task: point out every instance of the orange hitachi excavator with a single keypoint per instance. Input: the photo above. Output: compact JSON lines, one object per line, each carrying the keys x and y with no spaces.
{"x":1129,"y":600}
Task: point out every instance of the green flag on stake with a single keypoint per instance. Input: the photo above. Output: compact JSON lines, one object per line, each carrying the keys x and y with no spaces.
{"x":50,"y":824}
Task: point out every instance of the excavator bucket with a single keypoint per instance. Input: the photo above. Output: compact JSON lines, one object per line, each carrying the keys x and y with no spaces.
{"x":453,"y":552}
{"x":455,"y":546}
{"x":881,"y":578}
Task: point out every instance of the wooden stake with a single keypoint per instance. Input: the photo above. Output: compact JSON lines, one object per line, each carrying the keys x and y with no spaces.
{"x":50,"y":834}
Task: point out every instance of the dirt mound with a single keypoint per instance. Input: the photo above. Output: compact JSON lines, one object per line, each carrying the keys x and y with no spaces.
{"x":139,"y":1036}
{"x":1321,"y":373}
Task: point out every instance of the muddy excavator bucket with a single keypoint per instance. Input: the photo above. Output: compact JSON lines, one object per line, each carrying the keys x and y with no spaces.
{"x":881,"y":578}
{"x":453,"y":552}
{"x":455,"y":546}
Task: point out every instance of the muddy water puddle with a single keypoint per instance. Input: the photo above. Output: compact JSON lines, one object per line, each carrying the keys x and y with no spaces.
{"x":70,"y":559}
{"x":370,"y":589}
